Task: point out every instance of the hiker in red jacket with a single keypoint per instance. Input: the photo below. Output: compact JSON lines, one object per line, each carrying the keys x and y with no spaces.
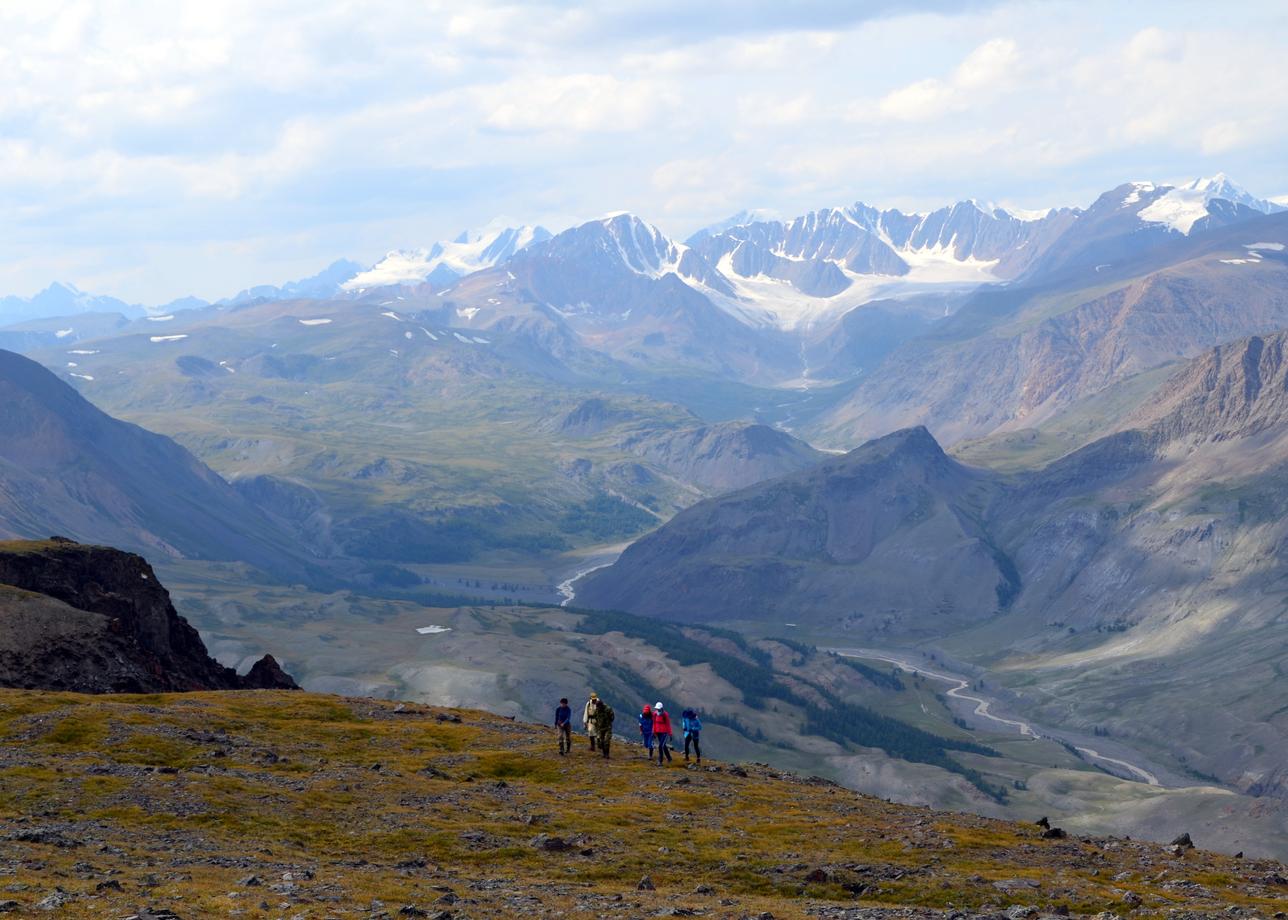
{"x":661,"y":732}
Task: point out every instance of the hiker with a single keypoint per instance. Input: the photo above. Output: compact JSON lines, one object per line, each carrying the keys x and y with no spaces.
{"x":591,"y":705}
{"x":661,"y":732}
{"x":601,"y":725}
{"x":563,"y":724}
{"x":691,"y":725}
{"x":646,"y":729}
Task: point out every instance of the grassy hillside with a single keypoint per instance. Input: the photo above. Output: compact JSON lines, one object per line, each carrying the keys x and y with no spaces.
{"x":290,"y":804}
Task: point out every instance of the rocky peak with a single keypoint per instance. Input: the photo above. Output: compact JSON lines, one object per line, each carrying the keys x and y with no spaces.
{"x":916,"y":444}
{"x":267,"y":674}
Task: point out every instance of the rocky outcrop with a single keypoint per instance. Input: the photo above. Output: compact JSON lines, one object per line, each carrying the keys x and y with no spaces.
{"x":1234,"y":390}
{"x":267,"y":674}
{"x":95,"y":619}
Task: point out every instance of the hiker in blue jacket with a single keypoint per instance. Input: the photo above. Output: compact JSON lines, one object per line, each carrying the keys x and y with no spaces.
{"x":691,"y":725}
{"x":563,"y":723}
{"x":646,"y":729}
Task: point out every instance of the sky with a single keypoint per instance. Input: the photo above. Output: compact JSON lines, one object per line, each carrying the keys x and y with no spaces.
{"x":155,"y":150}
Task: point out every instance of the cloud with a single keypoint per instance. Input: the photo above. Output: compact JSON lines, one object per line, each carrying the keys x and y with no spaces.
{"x":989,"y":66}
{"x":986,"y":71}
{"x":576,"y":102}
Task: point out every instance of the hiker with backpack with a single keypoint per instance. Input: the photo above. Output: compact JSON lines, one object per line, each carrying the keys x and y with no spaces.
{"x":646,"y":729}
{"x":691,"y":725}
{"x":661,"y":732}
{"x":601,"y":725}
{"x":563,"y":724}
{"x":586,"y":713}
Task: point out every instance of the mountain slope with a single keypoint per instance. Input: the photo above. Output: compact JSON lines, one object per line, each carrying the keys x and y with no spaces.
{"x":835,"y":543}
{"x":68,"y":468}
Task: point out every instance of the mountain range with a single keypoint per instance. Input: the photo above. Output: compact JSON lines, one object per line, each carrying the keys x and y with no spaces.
{"x":784,"y":272}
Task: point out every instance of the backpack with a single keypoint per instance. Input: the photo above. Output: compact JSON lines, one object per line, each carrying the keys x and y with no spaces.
{"x":606,"y":715}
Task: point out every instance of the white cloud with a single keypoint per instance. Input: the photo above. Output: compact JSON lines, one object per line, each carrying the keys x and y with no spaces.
{"x":989,"y":66}
{"x":575,"y":102}
{"x":1225,"y":136}
{"x":920,"y":100}
{"x":986,"y":71}
{"x":1151,"y":44}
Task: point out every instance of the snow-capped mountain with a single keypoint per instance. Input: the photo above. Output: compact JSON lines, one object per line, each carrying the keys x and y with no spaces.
{"x":588,"y":265}
{"x":802,"y":273}
{"x":444,"y":262}
{"x":807,"y":272}
{"x":823,"y":262}
{"x":1179,"y":208}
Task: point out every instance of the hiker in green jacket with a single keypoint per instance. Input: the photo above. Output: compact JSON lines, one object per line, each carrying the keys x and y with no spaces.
{"x":601,"y":725}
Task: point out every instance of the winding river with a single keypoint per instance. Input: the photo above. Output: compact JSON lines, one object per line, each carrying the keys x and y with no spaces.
{"x":983,"y":709}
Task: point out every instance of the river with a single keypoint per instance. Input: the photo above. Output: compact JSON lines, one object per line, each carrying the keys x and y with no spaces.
{"x":983,"y":710}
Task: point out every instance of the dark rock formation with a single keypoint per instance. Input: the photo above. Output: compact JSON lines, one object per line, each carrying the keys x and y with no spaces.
{"x":267,"y":674}
{"x":95,"y":619}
